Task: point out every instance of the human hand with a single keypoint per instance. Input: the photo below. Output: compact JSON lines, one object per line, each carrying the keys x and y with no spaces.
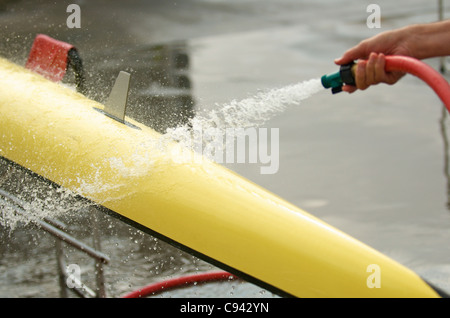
{"x":370,"y":69}
{"x":372,"y":72}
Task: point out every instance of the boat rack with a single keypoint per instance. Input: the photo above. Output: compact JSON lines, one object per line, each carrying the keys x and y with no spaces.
{"x":59,"y":231}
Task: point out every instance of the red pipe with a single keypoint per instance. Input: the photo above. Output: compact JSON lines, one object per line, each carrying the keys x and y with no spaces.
{"x":179,"y":282}
{"x":423,"y":71}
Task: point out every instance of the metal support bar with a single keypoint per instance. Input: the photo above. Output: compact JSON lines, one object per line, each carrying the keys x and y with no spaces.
{"x":56,"y":229}
{"x":59,"y":233}
{"x":60,"y":266}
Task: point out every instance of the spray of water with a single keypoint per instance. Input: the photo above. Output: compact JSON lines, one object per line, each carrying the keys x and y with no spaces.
{"x":249,"y":112}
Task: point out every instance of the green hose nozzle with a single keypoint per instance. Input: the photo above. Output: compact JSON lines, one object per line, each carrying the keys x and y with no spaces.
{"x":336,"y":80}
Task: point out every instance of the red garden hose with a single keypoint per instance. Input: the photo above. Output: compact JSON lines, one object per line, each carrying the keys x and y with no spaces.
{"x":180,"y":282}
{"x":423,"y":71}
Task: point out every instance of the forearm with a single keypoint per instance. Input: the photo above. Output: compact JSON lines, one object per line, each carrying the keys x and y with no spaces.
{"x":428,"y":40}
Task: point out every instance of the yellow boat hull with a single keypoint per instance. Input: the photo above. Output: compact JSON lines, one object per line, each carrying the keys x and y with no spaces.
{"x":59,"y":135}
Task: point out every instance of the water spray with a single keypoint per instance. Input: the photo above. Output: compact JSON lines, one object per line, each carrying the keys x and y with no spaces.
{"x":404,"y":64}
